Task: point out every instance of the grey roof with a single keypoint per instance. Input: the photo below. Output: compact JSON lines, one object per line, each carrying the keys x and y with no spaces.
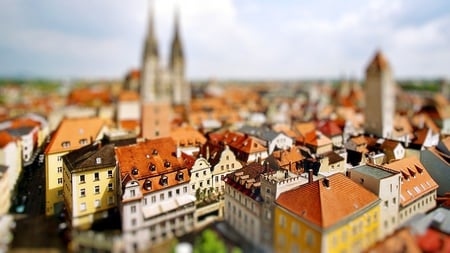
{"x":376,"y":172}
{"x":85,"y":158}
{"x":19,"y":131}
{"x":259,"y":132}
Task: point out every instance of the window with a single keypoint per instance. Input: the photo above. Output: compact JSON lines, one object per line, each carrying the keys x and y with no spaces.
{"x":110,"y":173}
{"x":60,"y":193}
{"x":295,"y":229}
{"x":60,"y":169}
{"x":153,"y":199}
{"x":133,"y":209}
{"x":59,"y":158}
{"x":110,"y":187}
{"x":282,"y":221}
{"x":65,"y":144}
{"x":177,"y":191}
{"x":133,"y":222}
{"x":82,"y":192}
{"x":83,"y":141}
{"x":60,"y":180}
{"x":132,"y":193}
{"x":82,"y":179}
{"x":98,"y":160}
{"x":309,"y":238}
{"x":97,"y":203}
{"x":185,"y":189}
{"x":161,"y":196}
{"x":110,"y":200}
{"x":170,"y":194}
{"x":386,"y":203}
{"x":96,"y":176}
{"x":83,"y":206}
{"x":97,"y":189}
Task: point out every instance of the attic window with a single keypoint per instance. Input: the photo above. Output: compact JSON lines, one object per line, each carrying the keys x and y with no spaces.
{"x":98,"y":160}
{"x":180,"y":176}
{"x":155,"y":152}
{"x":65,"y":144}
{"x":163,"y":181}
{"x":152,"y":167}
{"x":420,"y":170}
{"x":83,"y":141}
{"x":134,"y":171}
{"x":167,"y":164}
{"x":147,"y":184}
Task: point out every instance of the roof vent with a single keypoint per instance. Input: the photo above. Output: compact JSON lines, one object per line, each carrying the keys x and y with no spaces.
{"x":148,"y":184}
{"x":326,"y":182}
{"x":163,"y":181}
{"x":180,"y":176}
{"x":155,"y":152}
{"x":167,"y":164}
{"x":420,"y":170}
{"x":134,"y":171}
{"x":152,"y":167}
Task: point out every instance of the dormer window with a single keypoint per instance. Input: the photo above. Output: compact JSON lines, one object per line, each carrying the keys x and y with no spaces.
{"x":163,"y":181}
{"x":152,"y":167}
{"x":83,"y":141}
{"x":65,"y":144}
{"x":180,"y":176}
{"x":167,"y":164}
{"x":148,"y":184}
{"x":98,"y":160}
{"x":134,"y":171}
{"x":155,"y":152}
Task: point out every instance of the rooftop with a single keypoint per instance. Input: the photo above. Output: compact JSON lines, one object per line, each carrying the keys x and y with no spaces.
{"x":376,"y":172}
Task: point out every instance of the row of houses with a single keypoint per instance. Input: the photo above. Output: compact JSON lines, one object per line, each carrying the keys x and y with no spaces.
{"x":258,"y":180}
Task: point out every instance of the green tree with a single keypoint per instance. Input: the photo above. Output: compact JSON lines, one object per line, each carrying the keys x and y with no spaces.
{"x":209,"y":243}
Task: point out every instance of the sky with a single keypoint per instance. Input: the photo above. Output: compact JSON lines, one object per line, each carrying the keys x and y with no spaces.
{"x":226,"y":39}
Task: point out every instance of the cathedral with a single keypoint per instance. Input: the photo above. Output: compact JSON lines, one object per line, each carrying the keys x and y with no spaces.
{"x":156,"y":83}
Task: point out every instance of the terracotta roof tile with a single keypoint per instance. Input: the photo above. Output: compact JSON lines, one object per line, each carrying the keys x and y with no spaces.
{"x":326,"y":206}
{"x":329,"y":128}
{"x":74,"y":133}
{"x":150,"y":163}
{"x":416,"y":180}
{"x":5,"y":138}
{"x":187,"y":136}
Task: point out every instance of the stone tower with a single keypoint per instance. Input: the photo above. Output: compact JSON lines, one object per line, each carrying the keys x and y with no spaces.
{"x":180,"y":88}
{"x":150,"y":63}
{"x":379,"y":97}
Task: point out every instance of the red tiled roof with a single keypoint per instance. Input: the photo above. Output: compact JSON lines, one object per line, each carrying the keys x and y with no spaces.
{"x":416,"y":180}
{"x":329,"y":128}
{"x":73,"y":133}
{"x":326,"y":206}
{"x":187,"y":136}
{"x":151,"y":160}
{"x":5,"y":138}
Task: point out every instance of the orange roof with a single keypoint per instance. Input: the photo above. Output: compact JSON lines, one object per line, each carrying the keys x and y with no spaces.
{"x":325,"y":206}
{"x":128,"y":95}
{"x":304,"y":128}
{"x":151,"y":160}
{"x":286,"y":129}
{"x":329,"y":128}
{"x":74,"y":133}
{"x":378,"y":62}
{"x":416,"y":180}
{"x":129,"y":124}
{"x":24,"y":122}
{"x":5,"y":138}
{"x":89,"y":96}
{"x":317,"y":140}
{"x":187,"y":136}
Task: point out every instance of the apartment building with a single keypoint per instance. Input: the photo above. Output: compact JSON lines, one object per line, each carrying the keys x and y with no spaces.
{"x":71,"y":134}
{"x":90,"y":184}
{"x":156,"y":199}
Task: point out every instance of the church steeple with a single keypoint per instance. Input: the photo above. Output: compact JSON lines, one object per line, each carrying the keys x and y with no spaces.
{"x":151,"y":44}
{"x":150,"y":62}
{"x":176,"y":53}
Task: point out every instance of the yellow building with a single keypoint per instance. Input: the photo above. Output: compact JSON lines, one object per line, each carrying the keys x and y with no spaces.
{"x":90,"y":183}
{"x":70,"y":135}
{"x":333,"y":214}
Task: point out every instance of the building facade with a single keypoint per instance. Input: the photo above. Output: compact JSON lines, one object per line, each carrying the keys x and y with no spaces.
{"x":90,"y":184}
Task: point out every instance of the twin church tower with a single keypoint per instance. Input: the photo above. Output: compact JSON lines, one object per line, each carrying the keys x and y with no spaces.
{"x":159,"y":84}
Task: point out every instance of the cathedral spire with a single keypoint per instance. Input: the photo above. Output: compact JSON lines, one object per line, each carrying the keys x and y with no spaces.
{"x":151,"y":45}
{"x":176,"y":53}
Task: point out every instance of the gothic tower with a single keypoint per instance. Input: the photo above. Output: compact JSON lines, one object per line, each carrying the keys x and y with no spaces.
{"x":379,"y":97}
{"x":181,"y":93}
{"x":150,"y":63}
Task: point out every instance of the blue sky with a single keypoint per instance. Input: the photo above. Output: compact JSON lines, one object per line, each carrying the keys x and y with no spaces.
{"x":226,"y":39}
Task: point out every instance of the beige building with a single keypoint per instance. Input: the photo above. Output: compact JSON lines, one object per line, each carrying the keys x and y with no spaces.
{"x":5,"y":197}
{"x":70,"y":135}
{"x":417,"y":190}
{"x":386,"y":184}
{"x":90,"y":184}
{"x":379,"y":97}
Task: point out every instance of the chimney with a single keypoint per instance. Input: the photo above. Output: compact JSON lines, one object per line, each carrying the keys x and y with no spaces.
{"x":310,"y":176}
{"x":178,"y":150}
{"x":348,"y":173}
{"x":326,"y":182}
{"x":207,"y":152}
